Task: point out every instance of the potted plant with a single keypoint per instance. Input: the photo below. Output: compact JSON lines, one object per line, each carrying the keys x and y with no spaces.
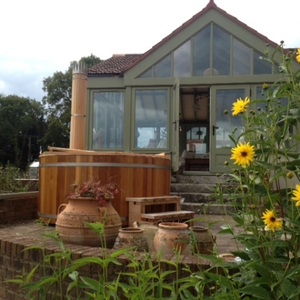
{"x":94,"y":189}
{"x":89,"y":202}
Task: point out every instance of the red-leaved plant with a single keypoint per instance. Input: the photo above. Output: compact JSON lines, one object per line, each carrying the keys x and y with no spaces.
{"x":94,"y":189}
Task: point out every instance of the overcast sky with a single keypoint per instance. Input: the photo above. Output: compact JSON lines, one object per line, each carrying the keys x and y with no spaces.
{"x":40,"y":37}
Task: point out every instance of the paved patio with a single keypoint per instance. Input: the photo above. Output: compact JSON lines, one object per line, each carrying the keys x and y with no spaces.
{"x":225,"y":243}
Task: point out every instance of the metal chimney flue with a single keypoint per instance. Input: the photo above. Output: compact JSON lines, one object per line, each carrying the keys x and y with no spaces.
{"x":78,"y":106}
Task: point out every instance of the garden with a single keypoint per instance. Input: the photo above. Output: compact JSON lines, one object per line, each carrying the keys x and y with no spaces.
{"x":265,"y":191}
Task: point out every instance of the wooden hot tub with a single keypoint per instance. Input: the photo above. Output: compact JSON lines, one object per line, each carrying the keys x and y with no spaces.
{"x":137,"y":175}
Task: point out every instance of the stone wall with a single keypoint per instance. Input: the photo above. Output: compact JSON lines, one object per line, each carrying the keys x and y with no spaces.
{"x":13,"y":260}
{"x":17,"y":207}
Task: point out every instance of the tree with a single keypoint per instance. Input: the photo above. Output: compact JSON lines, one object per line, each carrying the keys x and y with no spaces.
{"x":21,"y":127}
{"x":58,"y":104}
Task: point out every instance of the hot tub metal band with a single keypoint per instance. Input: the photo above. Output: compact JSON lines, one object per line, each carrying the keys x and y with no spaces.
{"x":91,"y":164}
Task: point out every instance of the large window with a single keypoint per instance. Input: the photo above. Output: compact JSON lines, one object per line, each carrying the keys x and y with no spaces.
{"x":210,"y":52}
{"x":108,"y":121}
{"x":151,"y":118}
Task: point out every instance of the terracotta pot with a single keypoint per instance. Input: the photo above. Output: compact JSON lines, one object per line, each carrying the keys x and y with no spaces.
{"x":72,"y":217}
{"x":172,"y":237}
{"x":131,"y":237}
{"x":202,"y":241}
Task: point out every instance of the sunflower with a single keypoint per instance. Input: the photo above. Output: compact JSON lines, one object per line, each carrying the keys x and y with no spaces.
{"x":298,"y":55}
{"x":296,"y":194}
{"x":240,"y":106}
{"x":242,"y":154}
{"x":270,"y":220}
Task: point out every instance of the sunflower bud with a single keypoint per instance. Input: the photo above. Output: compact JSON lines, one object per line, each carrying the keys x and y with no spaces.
{"x":265,"y":86}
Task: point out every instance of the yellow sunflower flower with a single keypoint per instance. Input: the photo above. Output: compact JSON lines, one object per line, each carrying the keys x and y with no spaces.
{"x":240,"y":106}
{"x":296,"y":194}
{"x":243,"y":154}
{"x":271,"y":221}
{"x":298,"y":55}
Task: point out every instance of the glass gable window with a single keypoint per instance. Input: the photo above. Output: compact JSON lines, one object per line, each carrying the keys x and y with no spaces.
{"x":201,"y":57}
{"x":108,"y":120}
{"x":241,"y":58}
{"x":223,"y":55}
{"x":151,"y":119}
{"x":147,"y":74}
{"x":163,"y":68}
{"x":261,"y":66}
{"x":221,"y":52}
{"x":182,"y":60}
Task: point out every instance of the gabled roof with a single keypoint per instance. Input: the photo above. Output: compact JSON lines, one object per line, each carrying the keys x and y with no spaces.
{"x":116,"y":65}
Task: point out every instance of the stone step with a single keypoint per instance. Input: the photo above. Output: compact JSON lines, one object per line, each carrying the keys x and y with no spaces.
{"x":201,"y":197}
{"x":199,"y":193}
{"x":213,"y":179}
{"x":193,"y":188}
{"x":209,"y":208}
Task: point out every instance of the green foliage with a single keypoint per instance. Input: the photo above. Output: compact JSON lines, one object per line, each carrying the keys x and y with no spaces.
{"x":27,"y":125}
{"x":8,"y":182}
{"x":269,"y":264}
{"x":58,"y":89}
{"x":21,"y":127}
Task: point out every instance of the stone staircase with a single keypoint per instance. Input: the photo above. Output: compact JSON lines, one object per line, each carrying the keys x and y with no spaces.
{"x":200,"y":194}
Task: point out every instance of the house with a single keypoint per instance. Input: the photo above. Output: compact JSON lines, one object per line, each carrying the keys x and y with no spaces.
{"x":172,"y":98}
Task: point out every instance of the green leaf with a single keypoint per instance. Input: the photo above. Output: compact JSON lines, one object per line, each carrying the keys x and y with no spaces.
{"x":18,"y":281}
{"x":226,"y":231}
{"x":35,"y":286}
{"x":288,"y":287}
{"x":242,"y":254}
{"x":238,"y":220}
{"x":93,"y":284}
{"x":256,"y":292}
{"x":31,"y":273}
{"x":295,"y":294}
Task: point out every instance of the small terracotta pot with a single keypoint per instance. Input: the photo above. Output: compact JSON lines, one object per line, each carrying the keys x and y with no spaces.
{"x":171,"y":238}
{"x":202,"y":241}
{"x":131,"y":237}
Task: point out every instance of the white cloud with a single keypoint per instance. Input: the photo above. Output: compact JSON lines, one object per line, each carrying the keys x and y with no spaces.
{"x":41,"y":37}
{"x":2,"y":85}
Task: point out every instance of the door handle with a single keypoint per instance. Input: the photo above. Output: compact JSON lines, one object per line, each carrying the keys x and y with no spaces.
{"x":214,"y":129}
{"x":175,"y":125}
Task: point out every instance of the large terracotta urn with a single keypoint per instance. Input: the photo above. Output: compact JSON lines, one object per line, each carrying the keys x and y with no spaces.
{"x":172,"y":238}
{"x":72,"y":218}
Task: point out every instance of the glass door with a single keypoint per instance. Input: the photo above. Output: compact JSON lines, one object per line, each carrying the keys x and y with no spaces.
{"x":223,"y":124}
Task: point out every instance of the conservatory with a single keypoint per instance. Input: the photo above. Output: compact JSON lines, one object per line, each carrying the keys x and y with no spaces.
{"x":172,"y":98}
